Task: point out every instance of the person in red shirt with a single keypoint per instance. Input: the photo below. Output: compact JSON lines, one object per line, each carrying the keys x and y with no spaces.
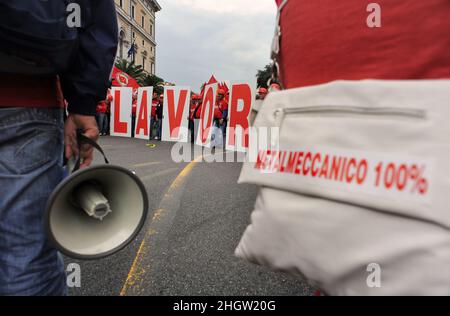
{"x":109,"y":99}
{"x":222,"y":105}
{"x":260,"y":96}
{"x":133,"y":113}
{"x":101,"y":110}
{"x":218,"y":114}
{"x":155,"y":101}
{"x":274,"y":87}
{"x":194,"y":108}
{"x":198,"y":112}
{"x":262,"y":93}
{"x":159,"y":117}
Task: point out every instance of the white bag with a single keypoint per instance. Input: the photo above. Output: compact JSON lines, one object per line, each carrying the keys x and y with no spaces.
{"x":356,"y":198}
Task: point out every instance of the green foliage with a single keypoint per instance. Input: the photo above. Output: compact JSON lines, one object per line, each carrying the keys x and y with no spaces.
{"x":144,"y":79}
{"x":137,"y":72}
{"x":264,"y":76}
{"x":154,"y":81}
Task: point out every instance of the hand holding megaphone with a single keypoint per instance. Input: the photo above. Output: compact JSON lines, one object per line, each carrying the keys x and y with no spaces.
{"x":75,"y":124}
{"x":95,"y":211}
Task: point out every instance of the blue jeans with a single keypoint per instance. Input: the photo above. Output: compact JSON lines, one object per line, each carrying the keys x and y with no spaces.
{"x":102,"y":123}
{"x":31,"y":147}
{"x":224,"y":125}
{"x":159,"y":128}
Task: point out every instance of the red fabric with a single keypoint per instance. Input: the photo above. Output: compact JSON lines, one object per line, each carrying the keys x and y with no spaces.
{"x":325,"y":40}
{"x":122,"y":79}
{"x":199,"y":112}
{"x":102,"y":107}
{"x":30,"y":91}
{"x":109,"y":97}
{"x":217,"y":112}
{"x":223,"y":105}
{"x":154,"y":104}
{"x":134,"y":108}
{"x":192,"y":109}
{"x":210,"y":81}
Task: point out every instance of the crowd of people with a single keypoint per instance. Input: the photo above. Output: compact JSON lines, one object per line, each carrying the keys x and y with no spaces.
{"x":220,"y":111}
{"x":103,"y":113}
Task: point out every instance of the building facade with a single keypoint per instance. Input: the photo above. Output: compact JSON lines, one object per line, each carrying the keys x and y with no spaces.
{"x":137,"y":26}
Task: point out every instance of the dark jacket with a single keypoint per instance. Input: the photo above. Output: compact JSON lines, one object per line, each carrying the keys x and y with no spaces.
{"x":159,"y":111}
{"x":87,"y":80}
{"x":84,"y":67}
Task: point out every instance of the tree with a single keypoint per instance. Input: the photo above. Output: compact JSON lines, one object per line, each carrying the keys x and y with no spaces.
{"x":154,"y":81}
{"x":137,"y":72}
{"x":264,"y":76}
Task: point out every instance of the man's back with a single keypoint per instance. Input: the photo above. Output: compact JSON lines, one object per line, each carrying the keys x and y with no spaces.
{"x":33,"y":135}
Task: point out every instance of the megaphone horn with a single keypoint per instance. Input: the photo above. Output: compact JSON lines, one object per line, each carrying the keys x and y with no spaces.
{"x":96,"y":211}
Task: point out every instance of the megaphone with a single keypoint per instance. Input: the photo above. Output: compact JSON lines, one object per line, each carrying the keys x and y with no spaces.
{"x":96,"y":211}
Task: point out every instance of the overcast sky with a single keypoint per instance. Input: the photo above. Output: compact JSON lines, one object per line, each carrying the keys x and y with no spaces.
{"x":228,"y":38}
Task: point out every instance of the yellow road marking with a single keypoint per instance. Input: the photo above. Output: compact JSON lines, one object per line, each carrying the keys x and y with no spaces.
{"x":136,"y":270}
{"x":158,"y":174}
{"x":132,"y":273}
{"x":140,"y":165}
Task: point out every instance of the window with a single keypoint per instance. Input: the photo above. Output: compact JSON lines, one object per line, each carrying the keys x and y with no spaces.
{"x":121,"y":3}
{"x":143,"y":43}
{"x":151,"y":29}
{"x":143,"y":22}
{"x":134,"y":35}
{"x":152,"y":70}
{"x":132,"y":11}
{"x":143,"y":62}
{"x":121,"y":40}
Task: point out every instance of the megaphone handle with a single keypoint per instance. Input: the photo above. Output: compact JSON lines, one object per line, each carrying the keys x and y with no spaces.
{"x":81,"y":139}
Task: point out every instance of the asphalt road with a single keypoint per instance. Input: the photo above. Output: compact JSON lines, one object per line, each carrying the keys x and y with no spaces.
{"x":197,"y":216}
